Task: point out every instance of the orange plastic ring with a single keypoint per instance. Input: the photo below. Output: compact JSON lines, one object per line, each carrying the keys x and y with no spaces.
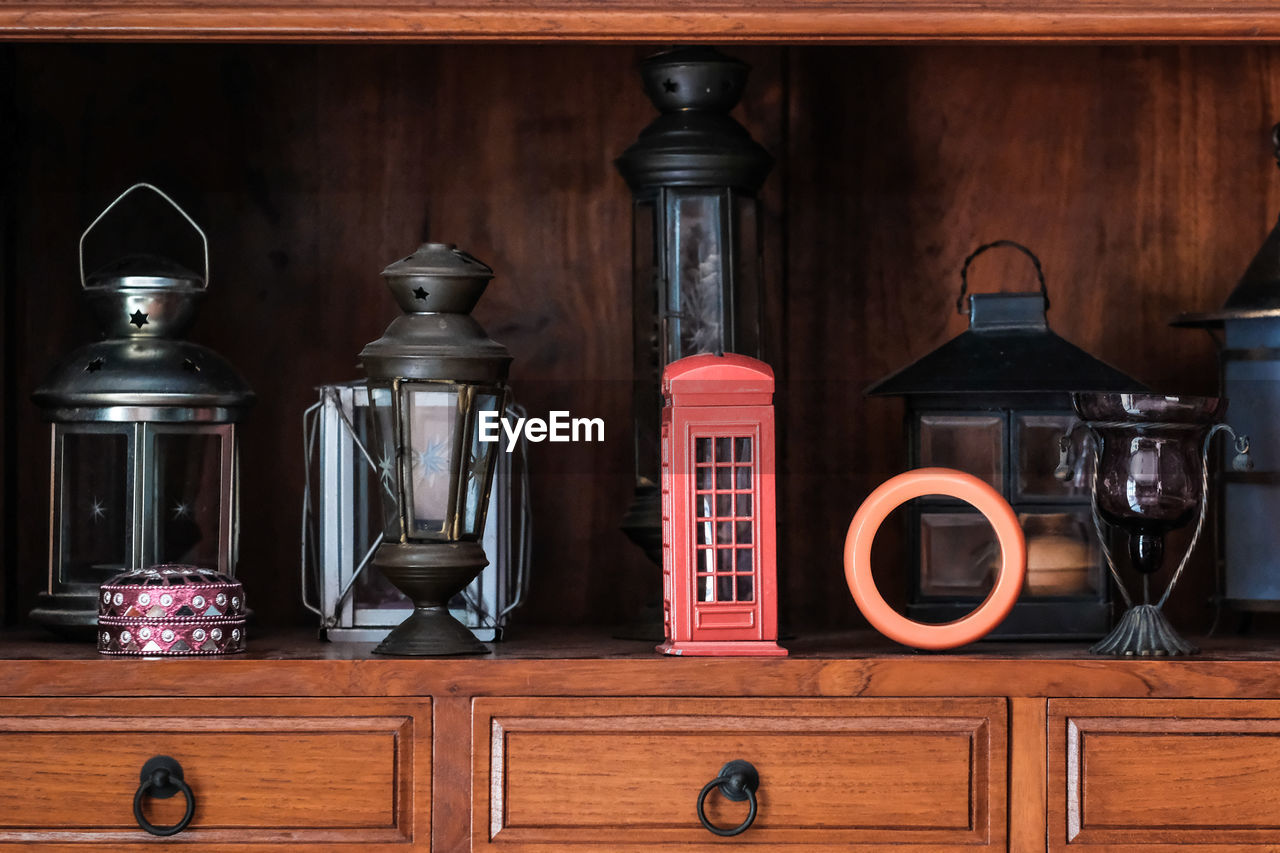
{"x":916,"y":484}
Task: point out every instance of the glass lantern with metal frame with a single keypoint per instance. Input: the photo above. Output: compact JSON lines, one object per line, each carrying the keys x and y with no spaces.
{"x":431,"y":375}
{"x":1247,"y":331}
{"x":144,"y":446}
{"x":995,"y":402}
{"x":341,"y":530}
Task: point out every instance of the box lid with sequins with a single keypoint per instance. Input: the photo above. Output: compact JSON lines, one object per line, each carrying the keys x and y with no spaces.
{"x":171,"y":610}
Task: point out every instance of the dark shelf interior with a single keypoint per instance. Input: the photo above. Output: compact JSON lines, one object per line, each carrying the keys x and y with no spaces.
{"x":1141,"y":176}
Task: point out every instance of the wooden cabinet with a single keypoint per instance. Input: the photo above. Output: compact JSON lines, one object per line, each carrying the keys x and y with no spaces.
{"x":835,"y":774}
{"x":311,"y":774}
{"x":1138,"y":172}
{"x":1163,"y":775}
{"x":592,"y":744}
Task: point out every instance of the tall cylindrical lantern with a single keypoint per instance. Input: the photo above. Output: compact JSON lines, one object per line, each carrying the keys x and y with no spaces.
{"x":694,"y":174}
{"x":432,"y":375}
{"x":144,"y":447}
{"x":1249,"y":324}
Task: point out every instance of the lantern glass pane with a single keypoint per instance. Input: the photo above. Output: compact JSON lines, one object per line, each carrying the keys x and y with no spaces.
{"x":745,"y":290}
{"x":188,"y":498}
{"x":1038,"y":458}
{"x":383,"y":432}
{"x":479,"y":466}
{"x":431,"y":417}
{"x":647,"y":290}
{"x":96,"y":517}
{"x":1062,"y":553}
{"x":971,"y":443}
{"x":959,"y":554}
{"x":372,"y":488}
{"x":695,"y":312}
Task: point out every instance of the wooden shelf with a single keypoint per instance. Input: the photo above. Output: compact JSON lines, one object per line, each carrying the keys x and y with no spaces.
{"x":593,"y":20}
{"x":558,"y":663}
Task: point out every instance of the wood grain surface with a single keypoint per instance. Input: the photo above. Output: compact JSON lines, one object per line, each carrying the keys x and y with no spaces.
{"x":1141,"y":176}
{"x":592,"y":664}
{"x":559,"y":20}
{"x":321,"y":773}
{"x":625,"y":774}
{"x":1163,"y":775}
{"x":1028,"y":774}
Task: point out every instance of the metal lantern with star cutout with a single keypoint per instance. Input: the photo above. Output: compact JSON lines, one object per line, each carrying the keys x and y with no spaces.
{"x":432,"y":374}
{"x":144,"y":448}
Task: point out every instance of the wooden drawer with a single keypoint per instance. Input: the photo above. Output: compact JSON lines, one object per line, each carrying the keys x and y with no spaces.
{"x":624,"y":774}
{"x":316,"y":773}
{"x":1163,"y":775}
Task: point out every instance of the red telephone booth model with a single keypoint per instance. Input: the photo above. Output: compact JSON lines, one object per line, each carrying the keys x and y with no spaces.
{"x":719,"y":574}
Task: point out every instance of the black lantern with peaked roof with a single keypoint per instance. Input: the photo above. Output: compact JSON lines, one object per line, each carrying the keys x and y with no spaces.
{"x":1247,"y":328}
{"x":995,"y":401}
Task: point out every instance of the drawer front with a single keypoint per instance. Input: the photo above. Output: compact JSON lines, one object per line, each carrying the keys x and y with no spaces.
{"x":1163,"y":775}
{"x":624,"y":774}
{"x":308,"y":772}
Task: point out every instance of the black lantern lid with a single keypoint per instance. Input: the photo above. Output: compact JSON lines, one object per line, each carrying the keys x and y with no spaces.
{"x":436,"y":338}
{"x":1257,"y":294}
{"x":695,"y":142}
{"x":1008,"y":349}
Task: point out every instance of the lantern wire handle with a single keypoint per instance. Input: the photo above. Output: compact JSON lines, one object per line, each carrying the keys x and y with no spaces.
{"x":964,"y":269}
{"x":203,"y":239}
{"x":525,"y":535}
{"x":310,"y":423}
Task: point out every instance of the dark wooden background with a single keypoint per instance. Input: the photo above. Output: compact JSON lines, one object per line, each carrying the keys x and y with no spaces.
{"x":1141,"y":176}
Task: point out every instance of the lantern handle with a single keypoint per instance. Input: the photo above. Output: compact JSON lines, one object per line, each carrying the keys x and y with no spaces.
{"x":142,"y":185}
{"x":964,"y":269}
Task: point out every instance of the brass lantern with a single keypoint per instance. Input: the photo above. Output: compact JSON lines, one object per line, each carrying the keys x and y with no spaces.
{"x":432,"y":375}
{"x":144,"y":466}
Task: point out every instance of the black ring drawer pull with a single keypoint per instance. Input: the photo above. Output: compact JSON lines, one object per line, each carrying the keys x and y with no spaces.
{"x":161,"y":777}
{"x":737,"y":781}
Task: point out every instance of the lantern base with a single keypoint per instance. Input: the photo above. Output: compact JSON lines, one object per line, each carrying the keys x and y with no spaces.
{"x":71,"y":613}
{"x":643,"y":525}
{"x":430,"y":574}
{"x":1143,"y":631}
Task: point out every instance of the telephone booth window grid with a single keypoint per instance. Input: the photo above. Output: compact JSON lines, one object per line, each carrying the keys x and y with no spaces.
{"x":724,"y":535}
